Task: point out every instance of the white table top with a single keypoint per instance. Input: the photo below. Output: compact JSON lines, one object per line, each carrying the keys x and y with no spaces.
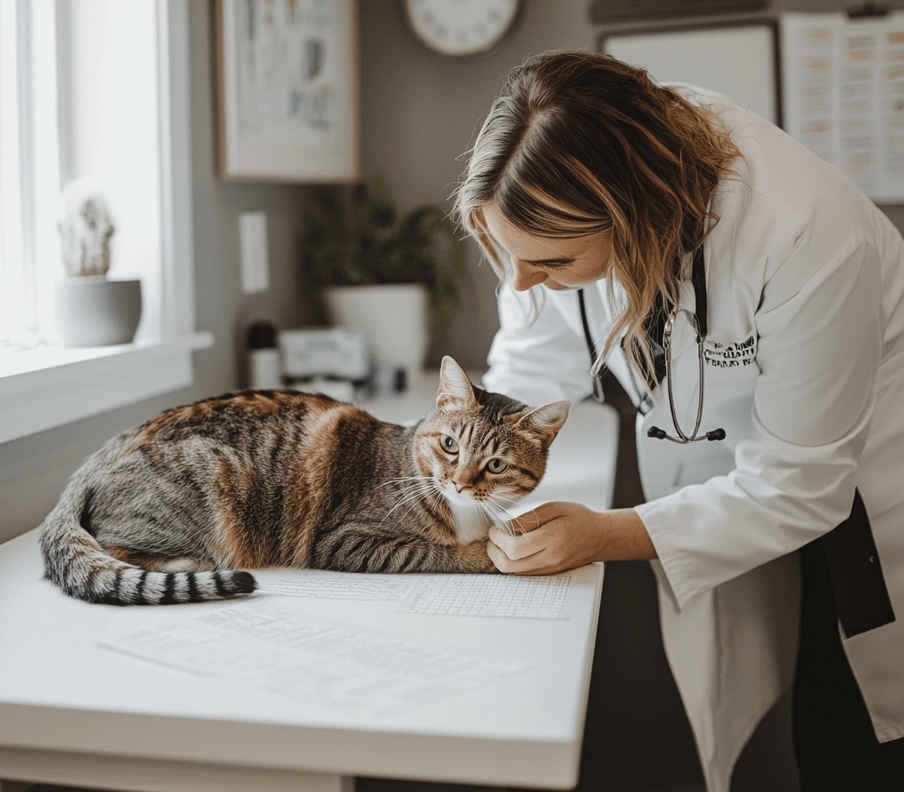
{"x":60,"y":691}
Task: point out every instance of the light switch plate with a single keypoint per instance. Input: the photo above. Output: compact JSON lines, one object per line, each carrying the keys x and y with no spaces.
{"x":253,"y":242}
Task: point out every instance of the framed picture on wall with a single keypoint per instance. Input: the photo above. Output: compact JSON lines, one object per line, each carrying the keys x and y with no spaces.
{"x":288,"y":91}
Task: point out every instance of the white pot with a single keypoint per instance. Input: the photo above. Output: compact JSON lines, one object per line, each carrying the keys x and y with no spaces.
{"x":93,"y":311}
{"x":394,"y":317}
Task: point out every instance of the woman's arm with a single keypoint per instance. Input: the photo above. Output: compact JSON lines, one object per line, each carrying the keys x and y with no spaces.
{"x":555,"y":537}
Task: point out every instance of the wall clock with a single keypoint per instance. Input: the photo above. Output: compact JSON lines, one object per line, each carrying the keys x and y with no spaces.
{"x":462,"y":28}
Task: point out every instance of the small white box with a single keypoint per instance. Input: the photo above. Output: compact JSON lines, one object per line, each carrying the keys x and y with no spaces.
{"x":324,"y":352}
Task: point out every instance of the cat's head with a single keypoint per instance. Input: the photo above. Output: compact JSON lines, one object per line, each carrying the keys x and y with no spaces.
{"x":482,"y":447}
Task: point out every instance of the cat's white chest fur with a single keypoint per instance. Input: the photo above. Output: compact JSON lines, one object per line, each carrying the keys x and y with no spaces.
{"x":472,"y":523}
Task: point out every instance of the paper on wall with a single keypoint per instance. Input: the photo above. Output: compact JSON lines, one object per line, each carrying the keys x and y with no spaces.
{"x":843,"y":95}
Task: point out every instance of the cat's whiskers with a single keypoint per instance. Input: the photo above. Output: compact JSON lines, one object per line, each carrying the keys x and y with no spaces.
{"x":498,"y":496}
{"x":429,"y":493}
{"x":509,"y":523}
{"x":413,"y":492}
{"x":516,"y":528}
{"x":423,"y":487}
{"x":497,"y":513}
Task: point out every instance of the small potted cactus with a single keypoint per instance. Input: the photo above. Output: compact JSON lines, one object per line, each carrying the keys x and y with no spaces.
{"x":90,"y":309}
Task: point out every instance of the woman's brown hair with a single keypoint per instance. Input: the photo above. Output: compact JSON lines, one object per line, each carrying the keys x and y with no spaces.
{"x":578,"y":143}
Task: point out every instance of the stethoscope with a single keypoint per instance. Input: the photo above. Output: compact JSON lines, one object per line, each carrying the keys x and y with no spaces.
{"x":697,"y":321}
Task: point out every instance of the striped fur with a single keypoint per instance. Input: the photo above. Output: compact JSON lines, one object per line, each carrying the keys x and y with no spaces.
{"x":169,"y":511}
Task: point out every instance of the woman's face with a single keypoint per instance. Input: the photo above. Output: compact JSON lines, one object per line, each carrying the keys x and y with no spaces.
{"x":556,"y":263}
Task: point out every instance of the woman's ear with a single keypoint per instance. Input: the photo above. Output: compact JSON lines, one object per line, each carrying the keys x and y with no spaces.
{"x":454,"y":386}
{"x":546,"y":421}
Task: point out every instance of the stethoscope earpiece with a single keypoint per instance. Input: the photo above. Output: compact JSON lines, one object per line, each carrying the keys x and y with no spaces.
{"x":716,"y":434}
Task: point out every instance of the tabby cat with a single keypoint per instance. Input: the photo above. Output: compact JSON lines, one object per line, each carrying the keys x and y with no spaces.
{"x":170,"y":511}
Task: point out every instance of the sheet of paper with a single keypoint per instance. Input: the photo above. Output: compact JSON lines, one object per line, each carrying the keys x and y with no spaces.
{"x":328,"y":585}
{"x":541,"y":597}
{"x":313,"y":661}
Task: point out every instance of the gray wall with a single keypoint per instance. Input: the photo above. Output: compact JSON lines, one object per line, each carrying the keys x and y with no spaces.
{"x":419,"y":114}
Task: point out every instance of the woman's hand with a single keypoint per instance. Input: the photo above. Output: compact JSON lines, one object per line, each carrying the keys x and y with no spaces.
{"x":558,"y":536}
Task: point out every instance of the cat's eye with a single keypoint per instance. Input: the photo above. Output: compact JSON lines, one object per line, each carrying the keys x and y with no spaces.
{"x":449,"y":444}
{"x":496,"y":465}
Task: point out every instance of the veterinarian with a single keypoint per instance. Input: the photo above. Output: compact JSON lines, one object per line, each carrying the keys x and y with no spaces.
{"x":751,"y":299}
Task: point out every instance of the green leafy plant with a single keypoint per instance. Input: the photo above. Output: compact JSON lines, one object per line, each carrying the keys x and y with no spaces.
{"x":357,"y":236}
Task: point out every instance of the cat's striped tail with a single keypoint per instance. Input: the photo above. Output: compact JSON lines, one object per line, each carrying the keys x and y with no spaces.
{"x":76,"y":562}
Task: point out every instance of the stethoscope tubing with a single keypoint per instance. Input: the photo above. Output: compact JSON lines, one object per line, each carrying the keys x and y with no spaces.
{"x":667,"y":344}
{"x":698,"y":323}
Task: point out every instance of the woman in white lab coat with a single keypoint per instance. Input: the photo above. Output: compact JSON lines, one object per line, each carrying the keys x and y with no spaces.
{"x":605,"y":201}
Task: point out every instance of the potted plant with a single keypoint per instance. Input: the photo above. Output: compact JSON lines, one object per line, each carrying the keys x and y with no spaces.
{"x":89,"y":309}
{"x":395,"y":275}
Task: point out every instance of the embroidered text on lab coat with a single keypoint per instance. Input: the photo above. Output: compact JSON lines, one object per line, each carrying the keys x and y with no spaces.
{"x":740,"y":353}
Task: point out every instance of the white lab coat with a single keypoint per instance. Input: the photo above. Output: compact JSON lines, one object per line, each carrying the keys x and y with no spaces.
{"x":805,"y":372}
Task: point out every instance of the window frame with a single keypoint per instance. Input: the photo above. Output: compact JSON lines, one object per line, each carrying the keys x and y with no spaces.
{"x":48,"y":387}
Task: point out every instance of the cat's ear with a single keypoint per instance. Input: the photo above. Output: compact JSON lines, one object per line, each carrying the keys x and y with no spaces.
{"x":546,"y":421}
{"x":454,"y":386}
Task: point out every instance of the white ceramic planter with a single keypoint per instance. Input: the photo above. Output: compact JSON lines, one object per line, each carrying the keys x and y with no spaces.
{"x":94,"y":311}
{"x":394,"y":317}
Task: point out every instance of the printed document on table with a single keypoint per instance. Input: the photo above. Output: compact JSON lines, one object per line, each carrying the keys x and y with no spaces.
{"x":501,"y":596}
{"x":314,"y":661}
{"x":320,"y":584}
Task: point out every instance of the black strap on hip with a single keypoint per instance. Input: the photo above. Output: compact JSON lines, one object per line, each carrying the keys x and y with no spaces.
{"x":856,"y":573}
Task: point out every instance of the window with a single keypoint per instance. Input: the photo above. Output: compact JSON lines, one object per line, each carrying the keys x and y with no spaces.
{"x":29,"y":161}
{"x":93,"y":89}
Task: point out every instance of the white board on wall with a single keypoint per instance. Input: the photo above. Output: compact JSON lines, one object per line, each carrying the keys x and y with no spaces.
{"x":736,"y":60}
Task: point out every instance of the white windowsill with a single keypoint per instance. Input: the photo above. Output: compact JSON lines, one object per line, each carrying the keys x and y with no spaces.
{"x":49,"y":387}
